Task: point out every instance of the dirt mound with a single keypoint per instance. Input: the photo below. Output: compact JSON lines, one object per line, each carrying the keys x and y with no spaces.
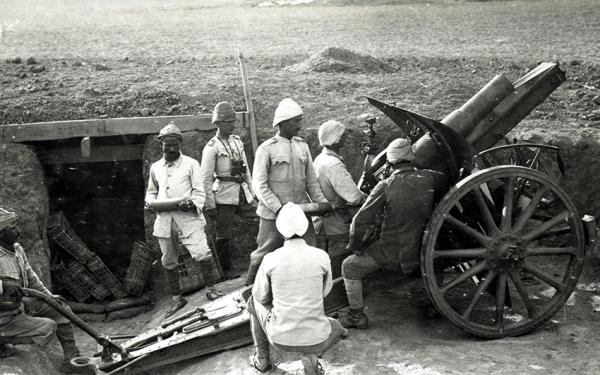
{"x":334,"y":59}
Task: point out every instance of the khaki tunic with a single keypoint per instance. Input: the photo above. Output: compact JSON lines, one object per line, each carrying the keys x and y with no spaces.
{"x":216,"y":163}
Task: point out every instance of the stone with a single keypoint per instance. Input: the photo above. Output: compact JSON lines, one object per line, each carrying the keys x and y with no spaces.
{"x":37,"y":69}
{"x":92,"y":91}
{"x":101,"y":67}
{"x":31,"y":61}
{"x":77,"y":63}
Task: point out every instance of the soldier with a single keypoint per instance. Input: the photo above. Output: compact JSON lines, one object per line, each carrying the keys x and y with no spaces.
{"x":286,"y":307}
{"x":227,"y":180}
{"x":176,"y":194}
{"x":336,"y":183}
{"x":41,"y":321}
{"x":407,"y":199}
{"x":283,"y":172}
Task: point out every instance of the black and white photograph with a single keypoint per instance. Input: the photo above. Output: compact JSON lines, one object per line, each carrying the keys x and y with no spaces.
{"x":293,"y":187}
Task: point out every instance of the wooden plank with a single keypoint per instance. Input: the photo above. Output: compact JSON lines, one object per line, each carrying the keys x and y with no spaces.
{"x":68,"y":155}
{"x":52,"y":130}
{"x":45,"y":131}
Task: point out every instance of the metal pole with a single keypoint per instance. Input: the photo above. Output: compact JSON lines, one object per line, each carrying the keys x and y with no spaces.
{"x":249,"y":106}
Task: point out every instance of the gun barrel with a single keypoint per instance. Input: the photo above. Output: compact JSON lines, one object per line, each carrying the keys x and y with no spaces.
{"x":464,"y":119}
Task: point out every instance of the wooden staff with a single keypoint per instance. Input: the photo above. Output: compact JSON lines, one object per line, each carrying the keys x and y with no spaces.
{"x":249,"y":106}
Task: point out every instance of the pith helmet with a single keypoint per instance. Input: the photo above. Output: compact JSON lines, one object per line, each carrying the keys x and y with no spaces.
{"x":223,"y":112}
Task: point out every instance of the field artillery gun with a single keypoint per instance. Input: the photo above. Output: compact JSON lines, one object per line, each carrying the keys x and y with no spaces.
{"x":502,"y":252}
{"x":504,"y":248}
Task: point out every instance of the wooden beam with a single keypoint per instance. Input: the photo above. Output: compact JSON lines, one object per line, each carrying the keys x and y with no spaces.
{"x":68,"y":155}
{"x":46,"y":131}
{"x":249,"y":105}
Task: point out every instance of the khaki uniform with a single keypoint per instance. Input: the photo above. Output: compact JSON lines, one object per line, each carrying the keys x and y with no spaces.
{"x":283,"y":172}
{"x":220,"y":186}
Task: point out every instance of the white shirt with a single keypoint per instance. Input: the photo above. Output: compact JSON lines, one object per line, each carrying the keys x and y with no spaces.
{"x":294,"y":279}
{"x":178,"y":179}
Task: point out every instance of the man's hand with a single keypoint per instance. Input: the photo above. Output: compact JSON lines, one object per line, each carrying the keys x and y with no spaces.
{"x":11,"y":287}
{"x":211,"y":212}
{"x":355,"y":246}
{"x":186,"y":206}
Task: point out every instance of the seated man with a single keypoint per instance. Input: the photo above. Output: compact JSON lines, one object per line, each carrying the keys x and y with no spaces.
{"x":405,"y":201}
{"x":16,"y":327}
{"x":286,"y":307}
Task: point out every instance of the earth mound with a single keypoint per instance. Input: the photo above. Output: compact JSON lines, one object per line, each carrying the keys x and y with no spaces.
{"x":341,"y":60}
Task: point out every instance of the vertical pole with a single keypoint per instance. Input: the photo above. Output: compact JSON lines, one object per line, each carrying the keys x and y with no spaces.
{"x":249,"y":106}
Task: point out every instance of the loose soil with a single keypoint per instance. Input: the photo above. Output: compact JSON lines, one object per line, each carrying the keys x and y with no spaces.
{"x":124,"y":59}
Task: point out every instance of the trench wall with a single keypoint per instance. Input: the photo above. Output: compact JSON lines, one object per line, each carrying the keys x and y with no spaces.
{"x":23,"y":190}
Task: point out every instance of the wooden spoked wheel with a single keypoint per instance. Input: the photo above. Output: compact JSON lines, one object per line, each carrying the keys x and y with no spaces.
{"x":503,"y":251}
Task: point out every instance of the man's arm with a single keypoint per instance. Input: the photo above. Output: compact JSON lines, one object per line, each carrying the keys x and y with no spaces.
{"x":33,"y":280}
{"x":247,"y":174}
{"x":344,"y":185}
{"x":261,"y":290}
{"x":198,"y":195}
{"x":260,"y":180}
{"x":327,"y":279}
{"x":152,"y":191}
{"x":312,"y":182}
{"x":207,"y":173}
{"x":366,"y":216}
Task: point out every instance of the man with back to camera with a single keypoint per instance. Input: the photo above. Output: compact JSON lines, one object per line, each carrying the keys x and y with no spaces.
{"x":176,"y":193}
{"x":286,"y":307}
{"x":406,"y":198}
{"x":283,"y":172}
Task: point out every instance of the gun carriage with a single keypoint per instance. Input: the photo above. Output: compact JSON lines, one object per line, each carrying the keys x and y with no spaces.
{"x":501,"y":254}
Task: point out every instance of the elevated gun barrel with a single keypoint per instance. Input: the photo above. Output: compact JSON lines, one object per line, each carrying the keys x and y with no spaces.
{"x":464,"y":119}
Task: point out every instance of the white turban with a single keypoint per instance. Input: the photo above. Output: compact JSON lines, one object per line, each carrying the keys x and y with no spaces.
{"x":7,"y":218}
{"x":330,"y":132}
{"x":291,"y":221}
{"x":286,"y":110}
{"x":399,"y":149}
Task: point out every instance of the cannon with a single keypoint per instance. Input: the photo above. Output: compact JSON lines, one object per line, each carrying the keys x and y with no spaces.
{"x":502,"y":251}
{"x":504,"y":248}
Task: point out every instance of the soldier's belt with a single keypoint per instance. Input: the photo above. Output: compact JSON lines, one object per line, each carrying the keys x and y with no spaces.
{"x":230,"y":179}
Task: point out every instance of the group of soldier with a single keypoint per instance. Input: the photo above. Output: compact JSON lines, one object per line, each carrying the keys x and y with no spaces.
{"x":289,"y":274}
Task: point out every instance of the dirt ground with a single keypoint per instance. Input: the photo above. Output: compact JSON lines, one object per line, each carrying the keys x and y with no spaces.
{"x":145,"y":58}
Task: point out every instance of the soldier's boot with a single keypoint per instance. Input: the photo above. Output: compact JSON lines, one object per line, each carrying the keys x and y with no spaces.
{"x":224,"y":255}
{"x":178,"y":301}
{"x":356,"y":317}
{"x":251,"y":275}
{"x":211,"y":276}
{"x":311,"y":365}
{"x":66,"y":338}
